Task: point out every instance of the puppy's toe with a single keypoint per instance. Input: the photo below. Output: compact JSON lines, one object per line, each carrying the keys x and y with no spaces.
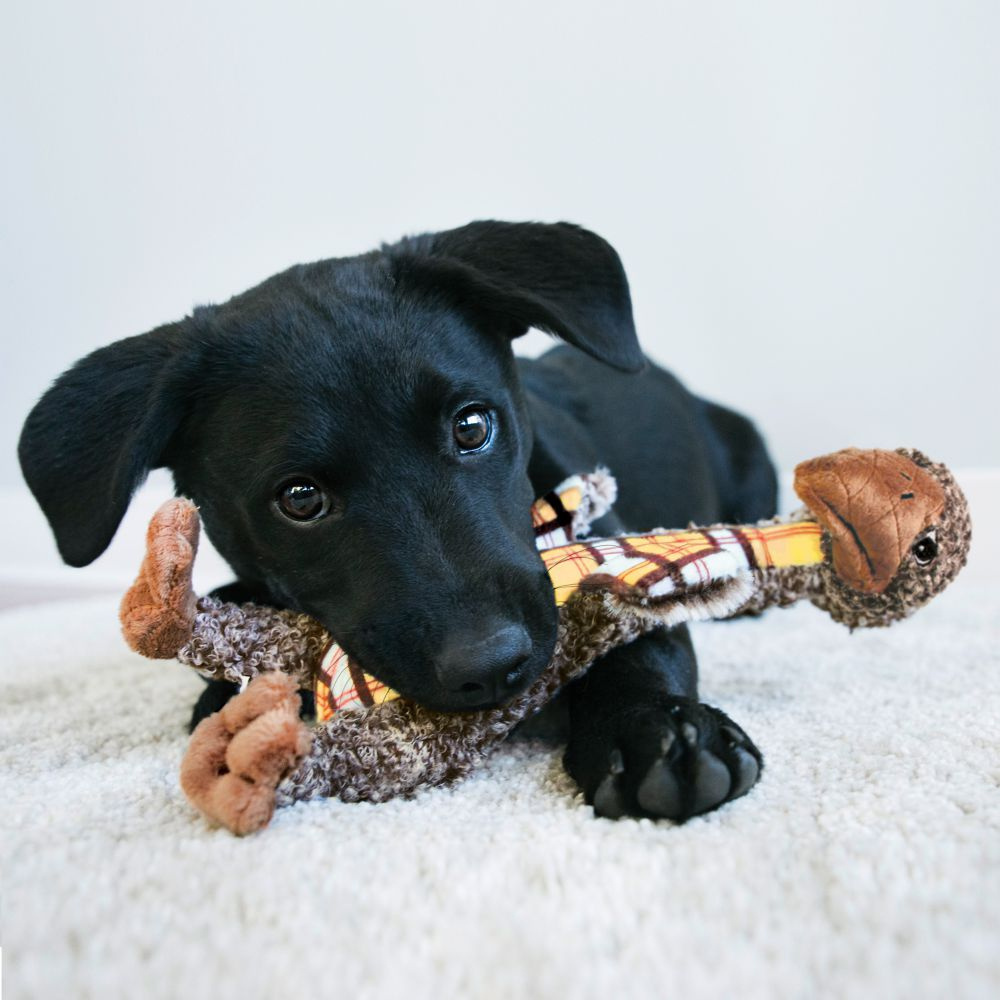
{"x":711,"y":782}
{"x":659,"y":792}
{"x":610,"y":799}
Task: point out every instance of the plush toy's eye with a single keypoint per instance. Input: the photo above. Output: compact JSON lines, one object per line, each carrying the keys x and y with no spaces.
{"x":302,"y":500}
{"x":472,"y":429}
{"x":925,"y":549}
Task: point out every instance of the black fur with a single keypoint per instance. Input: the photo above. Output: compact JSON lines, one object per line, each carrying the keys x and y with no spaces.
{"x":350,"y":372}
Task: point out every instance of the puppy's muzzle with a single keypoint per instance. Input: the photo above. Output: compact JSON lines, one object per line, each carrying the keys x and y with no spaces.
{"x":485,"y":671}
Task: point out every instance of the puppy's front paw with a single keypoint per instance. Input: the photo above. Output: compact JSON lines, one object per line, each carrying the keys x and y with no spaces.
{"x":672,"y":762}
{"x":238,"y":756}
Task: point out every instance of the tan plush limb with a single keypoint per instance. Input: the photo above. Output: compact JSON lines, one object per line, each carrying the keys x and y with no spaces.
{"x":163,"y":619}
{"x":158,"y":611}
{"x":238,"y":756}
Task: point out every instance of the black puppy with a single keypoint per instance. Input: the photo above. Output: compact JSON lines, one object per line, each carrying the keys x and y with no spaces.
{"x":364,"y":447}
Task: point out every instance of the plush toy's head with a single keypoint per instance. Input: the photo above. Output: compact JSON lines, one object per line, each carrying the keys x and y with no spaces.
{"x":896,"y":531}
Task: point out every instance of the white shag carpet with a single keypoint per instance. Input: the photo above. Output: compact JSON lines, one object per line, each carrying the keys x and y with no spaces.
{"x":865,"y":864}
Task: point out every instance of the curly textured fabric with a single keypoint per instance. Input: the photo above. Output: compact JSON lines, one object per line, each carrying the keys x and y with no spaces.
{"x":233,"y":642}
{"x":380,"y":753}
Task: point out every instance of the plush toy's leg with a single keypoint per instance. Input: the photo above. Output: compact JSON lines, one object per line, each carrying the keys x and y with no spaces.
{"x":238,"y":756}
{"x":157,"y":612}
{"x":641,"y":744}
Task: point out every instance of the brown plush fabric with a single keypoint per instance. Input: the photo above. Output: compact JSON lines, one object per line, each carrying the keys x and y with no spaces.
{"x":781,"y":589}
{"x":913,"y":585}
{"x":874,"y":504}
{"x":162,"y":618}
{"x":158,"y":610}
{"x":237,"y":756}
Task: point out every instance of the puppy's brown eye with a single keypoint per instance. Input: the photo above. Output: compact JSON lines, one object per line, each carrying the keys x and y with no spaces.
{"x":302,"y":500}
{"x":473,"y":429}
{"x":925,"y":549}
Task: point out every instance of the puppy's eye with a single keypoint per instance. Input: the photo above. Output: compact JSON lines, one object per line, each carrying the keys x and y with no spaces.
{"x":472,"y":429}
{"x":925,"y":549}
{"x":302,"y":500}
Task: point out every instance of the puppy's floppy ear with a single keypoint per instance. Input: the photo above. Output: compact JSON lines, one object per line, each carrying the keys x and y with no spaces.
{"x":558,"y":277}
{"x":91,"y":440}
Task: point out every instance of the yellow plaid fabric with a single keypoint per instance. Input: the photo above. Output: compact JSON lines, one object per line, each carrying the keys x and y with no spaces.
{"x":650,"y":567}
{"x":665,"y":564}
{"x":340,"y":684}
{"x":552,"y":514}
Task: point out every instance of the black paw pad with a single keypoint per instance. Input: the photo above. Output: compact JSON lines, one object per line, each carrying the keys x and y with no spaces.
{"x":747,"y":770}
{"x":609,"y":799}
{"x":711,"y":782}
{"x":660,"y":792}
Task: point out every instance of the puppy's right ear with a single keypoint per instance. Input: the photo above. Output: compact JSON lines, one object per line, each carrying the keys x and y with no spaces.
{"x":92,"y":439}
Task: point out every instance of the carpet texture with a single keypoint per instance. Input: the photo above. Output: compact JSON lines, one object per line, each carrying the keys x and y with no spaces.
{"x":865,"y":864}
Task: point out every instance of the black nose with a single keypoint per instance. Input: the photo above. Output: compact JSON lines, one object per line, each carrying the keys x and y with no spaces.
{"x":486,"y":671}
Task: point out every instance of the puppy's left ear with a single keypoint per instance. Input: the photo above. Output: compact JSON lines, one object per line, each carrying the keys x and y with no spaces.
{"x":558,"y":277}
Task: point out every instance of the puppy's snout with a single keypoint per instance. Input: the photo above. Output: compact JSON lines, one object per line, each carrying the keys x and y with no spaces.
{"x":485,"y":671}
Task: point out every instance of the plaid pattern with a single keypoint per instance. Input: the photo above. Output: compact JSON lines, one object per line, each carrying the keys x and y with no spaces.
{"x":644,"y":568}
{"x":340,"y":684}
{"x":552,"y":514}
{"x":654,"y":567}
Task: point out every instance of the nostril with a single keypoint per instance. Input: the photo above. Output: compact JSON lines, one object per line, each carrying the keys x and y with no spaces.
{"x":488,"y":670}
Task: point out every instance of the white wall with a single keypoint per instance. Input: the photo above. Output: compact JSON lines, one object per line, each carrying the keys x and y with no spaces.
{"x":805,"y":195}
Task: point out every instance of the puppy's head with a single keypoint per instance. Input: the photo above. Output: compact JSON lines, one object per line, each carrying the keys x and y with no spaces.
{"x":356,"y":437}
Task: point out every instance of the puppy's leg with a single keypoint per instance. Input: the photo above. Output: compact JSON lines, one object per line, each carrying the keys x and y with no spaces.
{"x":641,"y":744}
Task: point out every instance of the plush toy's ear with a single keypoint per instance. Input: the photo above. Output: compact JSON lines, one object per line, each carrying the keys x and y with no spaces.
{"x":557,"y":277}
{"x":92,"y":439}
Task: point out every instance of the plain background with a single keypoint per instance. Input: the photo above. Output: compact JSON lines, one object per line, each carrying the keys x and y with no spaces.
{"x":804,"y":195}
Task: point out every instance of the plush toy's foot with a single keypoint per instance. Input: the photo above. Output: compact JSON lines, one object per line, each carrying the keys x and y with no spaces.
{"x":238,"y":756}
{"x":157,"y":612}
